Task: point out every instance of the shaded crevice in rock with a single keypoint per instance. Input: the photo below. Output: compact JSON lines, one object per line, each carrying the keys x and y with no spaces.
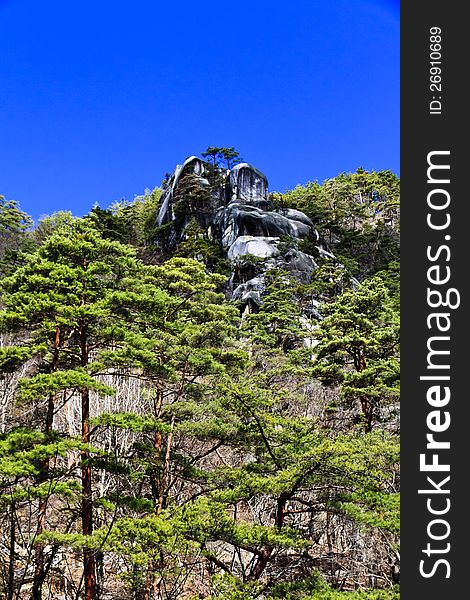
{"x":237,"y":219}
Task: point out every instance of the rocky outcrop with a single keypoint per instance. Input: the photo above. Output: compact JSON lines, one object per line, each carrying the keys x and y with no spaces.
{"x":235,"y":209}
{"x":248,"y":185}
{"x":193,"y":165}
{"x":249,"y":293}
{"x":259,"y":246}
{"x":237,"y":219}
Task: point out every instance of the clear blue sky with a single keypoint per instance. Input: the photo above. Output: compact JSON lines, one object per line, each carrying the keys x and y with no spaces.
{"x":99,"y":99}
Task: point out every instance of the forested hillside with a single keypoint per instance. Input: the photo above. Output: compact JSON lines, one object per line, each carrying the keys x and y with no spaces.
{"x":199,"y":392}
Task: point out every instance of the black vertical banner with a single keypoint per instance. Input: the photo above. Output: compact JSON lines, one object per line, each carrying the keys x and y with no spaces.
{"x":435,"y":169}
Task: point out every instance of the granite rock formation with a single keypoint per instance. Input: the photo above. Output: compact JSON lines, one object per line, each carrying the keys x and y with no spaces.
{"x":236,"y":210}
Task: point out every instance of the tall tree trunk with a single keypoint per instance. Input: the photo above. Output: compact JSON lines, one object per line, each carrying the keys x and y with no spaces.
{"x":152,"y":582}
{"x":87,"y":501}
{"x":368,"y":413}
{"x":367,"y":406}
{"x":39,"y":568}
{"x":89,"y":567}
{"x":166,"y":469}
{"x":11,"y":561}
{"x":154,"y":475}
{"x":265,"y":554}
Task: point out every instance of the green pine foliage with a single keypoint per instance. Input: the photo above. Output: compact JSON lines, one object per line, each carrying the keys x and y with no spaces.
{"x":14,"y":226}
{"x":314,"y":588}
{"x":358,"y":347}
{"x":358,"y":216}
{"x":155,"y":444}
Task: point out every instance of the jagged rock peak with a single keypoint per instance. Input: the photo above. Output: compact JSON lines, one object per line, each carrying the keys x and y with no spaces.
{"x":236,"y":212}
{"x":231,"y":204}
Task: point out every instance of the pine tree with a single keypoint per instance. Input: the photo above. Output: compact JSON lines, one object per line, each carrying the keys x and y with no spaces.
{"x":218,"y":156}
{"x":14,"y":224}
{"x":189,"y":347}
{"x":216,"y":468}
{"x":71,"y":303}
{"x":357,"y":214}
{"x":358,"y":347}
{"x":278,"y":323}
{"x":290,"y":454}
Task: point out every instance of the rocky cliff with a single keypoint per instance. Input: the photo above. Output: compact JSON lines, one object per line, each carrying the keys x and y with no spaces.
{"x":237,"y":212}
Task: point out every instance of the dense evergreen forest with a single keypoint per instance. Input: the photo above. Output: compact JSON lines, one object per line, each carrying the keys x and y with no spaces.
{"x":160,"y":441}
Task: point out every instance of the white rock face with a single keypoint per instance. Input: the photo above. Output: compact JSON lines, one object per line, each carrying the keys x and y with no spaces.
{"x":250,"y":290}
{"x":257,"y":246}
{"x":248,"y":184}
